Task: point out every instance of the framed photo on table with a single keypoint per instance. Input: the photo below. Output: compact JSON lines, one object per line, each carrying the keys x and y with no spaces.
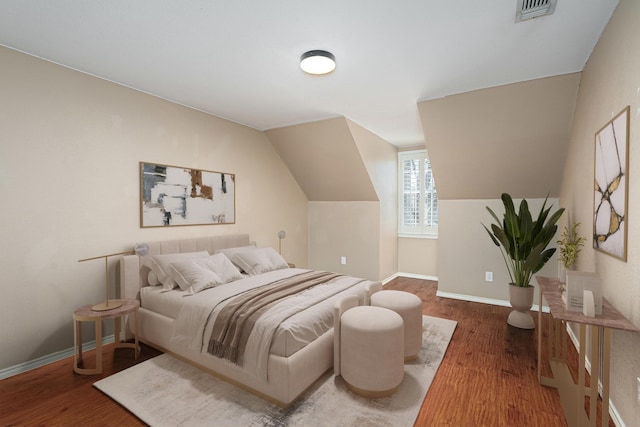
{"x":610,"y":187}
{"x":174,"y":196}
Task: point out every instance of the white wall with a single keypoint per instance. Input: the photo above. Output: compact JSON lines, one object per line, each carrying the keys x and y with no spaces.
{"x":70,"y":147}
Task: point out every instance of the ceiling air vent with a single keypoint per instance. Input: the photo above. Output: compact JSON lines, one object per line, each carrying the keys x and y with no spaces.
{"x":529,"y":9}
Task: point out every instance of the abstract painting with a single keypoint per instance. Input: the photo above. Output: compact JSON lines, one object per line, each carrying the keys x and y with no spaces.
{"x":610,"y":187}
{"x":173,"y":196}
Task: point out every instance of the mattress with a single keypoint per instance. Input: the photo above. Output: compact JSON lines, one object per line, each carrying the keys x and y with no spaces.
{"x":292,"y":334}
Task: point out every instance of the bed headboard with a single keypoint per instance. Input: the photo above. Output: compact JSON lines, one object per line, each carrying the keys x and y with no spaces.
{"x":133,"y":277}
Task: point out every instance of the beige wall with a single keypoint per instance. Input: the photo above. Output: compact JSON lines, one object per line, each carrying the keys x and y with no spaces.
{"x":466,"y":252}
{"x":350,"y":229}
{"x":610,"y":82}
{"x":494,"y":140}
{"x":418,"y":256}
{"x":349,"y":175}
{"x":325,"y":160}
{"x":381,"y":160}
{"x":69,"y":151}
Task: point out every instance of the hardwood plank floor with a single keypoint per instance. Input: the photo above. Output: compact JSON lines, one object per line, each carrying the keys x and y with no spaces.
{"x":487,"y":378}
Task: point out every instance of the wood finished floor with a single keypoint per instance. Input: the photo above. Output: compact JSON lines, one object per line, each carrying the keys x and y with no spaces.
{"x":487,"y":377}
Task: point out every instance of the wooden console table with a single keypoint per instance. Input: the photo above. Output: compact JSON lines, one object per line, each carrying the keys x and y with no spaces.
{"x":571,"y":394}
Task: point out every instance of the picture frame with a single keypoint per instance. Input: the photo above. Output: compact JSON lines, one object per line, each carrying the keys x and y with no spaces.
{"x":610,"y":202}
{"x":177,"y":196}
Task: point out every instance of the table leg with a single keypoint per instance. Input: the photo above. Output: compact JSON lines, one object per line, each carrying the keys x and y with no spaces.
{"x":595,"y":374}
{"x":77,"y":332}
{"x":135,"y":321}
{"x":581,"y":360}
{"x":565,"y":336}
{"x":116,"y":331}
{"x":606,"y":352}
{"x":540,"y":335}
{"x":98,"y":346}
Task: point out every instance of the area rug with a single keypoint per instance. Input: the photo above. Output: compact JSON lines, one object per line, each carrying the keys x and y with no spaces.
{"x":165,"y":391}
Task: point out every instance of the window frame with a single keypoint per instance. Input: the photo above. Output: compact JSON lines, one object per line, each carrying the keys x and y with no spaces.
{"x":421,"y":231}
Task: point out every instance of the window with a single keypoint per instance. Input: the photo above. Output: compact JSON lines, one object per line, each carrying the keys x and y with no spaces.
{"x":418,"y":200}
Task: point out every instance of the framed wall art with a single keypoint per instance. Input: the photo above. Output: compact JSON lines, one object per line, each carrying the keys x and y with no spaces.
{"x":610,"y":187}
{"x":173,"y":196}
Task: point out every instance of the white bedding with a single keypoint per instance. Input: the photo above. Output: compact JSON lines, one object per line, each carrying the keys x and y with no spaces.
{"x":191,"y":328}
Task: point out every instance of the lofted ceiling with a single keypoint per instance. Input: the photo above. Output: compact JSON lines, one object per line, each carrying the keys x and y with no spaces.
{"x":239,"y":59}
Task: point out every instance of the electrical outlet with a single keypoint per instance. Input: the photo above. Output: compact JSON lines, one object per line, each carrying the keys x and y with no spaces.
{"x":343,"y":260}
{"x":488,"y":276}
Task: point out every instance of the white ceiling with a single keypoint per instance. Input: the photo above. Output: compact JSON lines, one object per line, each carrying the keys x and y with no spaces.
{"x":238,"y":59}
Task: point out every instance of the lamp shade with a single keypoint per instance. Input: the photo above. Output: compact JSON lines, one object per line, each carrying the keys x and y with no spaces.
{"x":317,"y":62}
{"x":281,"y":235}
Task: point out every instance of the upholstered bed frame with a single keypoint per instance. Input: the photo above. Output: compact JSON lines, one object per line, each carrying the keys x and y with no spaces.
{"x":288,"y":376}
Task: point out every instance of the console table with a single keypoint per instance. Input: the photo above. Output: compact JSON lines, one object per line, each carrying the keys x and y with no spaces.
{"x":571,"y":394}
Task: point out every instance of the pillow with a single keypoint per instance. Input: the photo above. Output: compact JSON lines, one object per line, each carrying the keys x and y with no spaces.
{"x":230,"y":252}
{"x":199,"y":274}
{"x":159,"y":264}
{"x":252,"y":262}
{"x":222,"y":266}
{"x":276,"y":259}
{"x":191,"y":276}
{"x":259,"y":261}
{"x":152,"y":279}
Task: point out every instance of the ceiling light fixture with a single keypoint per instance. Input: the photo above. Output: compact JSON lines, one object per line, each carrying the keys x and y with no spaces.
{"x":317,"y":62}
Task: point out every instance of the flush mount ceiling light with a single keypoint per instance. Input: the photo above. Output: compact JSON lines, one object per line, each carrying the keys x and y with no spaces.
{"x":317,"y":62}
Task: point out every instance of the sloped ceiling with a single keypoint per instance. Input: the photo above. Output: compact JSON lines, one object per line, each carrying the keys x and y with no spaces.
{"x":325,"y":160}
{"x":510,"y":138}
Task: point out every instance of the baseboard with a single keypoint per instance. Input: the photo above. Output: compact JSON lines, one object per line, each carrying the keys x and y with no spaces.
{"x":491,"y":301}
{"x":416,"y":276}
{"x":613,"y":412}
{"x":50,"y":358}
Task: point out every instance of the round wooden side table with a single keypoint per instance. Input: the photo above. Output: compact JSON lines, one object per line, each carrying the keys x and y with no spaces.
{"x":85,"y":314}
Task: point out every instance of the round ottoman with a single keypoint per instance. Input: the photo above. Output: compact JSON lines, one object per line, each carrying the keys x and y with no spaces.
{"x":371,"y":350}
{"x":409,"y":307}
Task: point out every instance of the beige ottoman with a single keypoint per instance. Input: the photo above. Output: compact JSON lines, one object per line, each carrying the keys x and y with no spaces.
{"x":409,"y":307}
{"x":371,"y":350}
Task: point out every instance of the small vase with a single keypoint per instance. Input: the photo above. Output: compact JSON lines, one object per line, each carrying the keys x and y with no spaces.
{"x":521,"y":300}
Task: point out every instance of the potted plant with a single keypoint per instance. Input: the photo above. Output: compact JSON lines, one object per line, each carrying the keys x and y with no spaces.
{"x":523,"y":244}
{"x":569,"y":247}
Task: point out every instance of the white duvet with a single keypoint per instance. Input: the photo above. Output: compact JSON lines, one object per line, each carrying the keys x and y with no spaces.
{"x":193,"y":325}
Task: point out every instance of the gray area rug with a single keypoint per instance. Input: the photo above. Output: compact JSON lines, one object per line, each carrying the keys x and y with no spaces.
{"x":165,"y":391}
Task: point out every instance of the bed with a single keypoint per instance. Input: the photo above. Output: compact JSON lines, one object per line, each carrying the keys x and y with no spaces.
{"x":278,"y":362}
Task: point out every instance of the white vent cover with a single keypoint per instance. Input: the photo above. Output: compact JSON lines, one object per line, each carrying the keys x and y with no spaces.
{"x":529,"y":9}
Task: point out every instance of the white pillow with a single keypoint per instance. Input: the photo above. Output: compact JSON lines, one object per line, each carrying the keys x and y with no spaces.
{"x":191,"y":276}
{"x":276,"y":259}
{"x":252,"y":262}
{"x":230,"y":252}
{"x":202,"y":273}
{"x":152,"y":279}
{"x":259,"y":261}
{"x":221,"y":265}
{"x":159,"y":264}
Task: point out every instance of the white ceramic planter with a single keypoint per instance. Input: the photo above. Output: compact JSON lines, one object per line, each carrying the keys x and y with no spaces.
{"x":521,"y":300}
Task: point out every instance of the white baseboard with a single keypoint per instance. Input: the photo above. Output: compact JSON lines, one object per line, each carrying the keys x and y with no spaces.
{"x":50,"y":358}
{"x":491,"y":301}
{"x":412,"y":276}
